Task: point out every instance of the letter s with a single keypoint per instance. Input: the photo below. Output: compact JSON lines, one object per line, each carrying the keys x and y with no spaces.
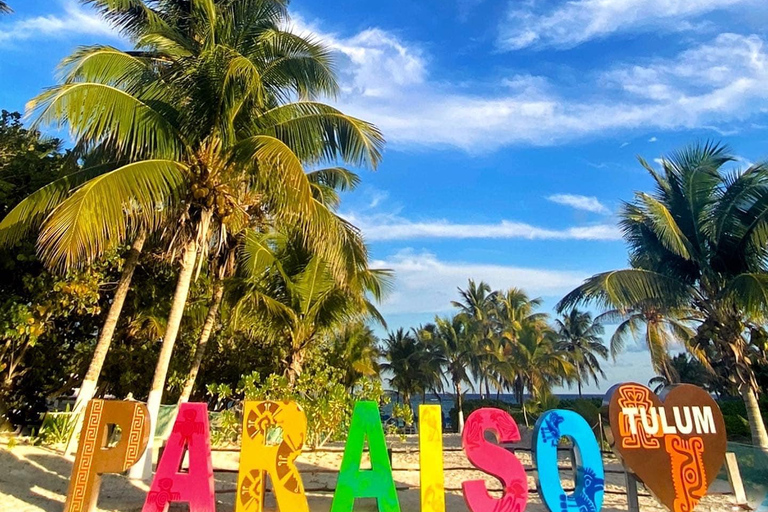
{"x":494,"y":460}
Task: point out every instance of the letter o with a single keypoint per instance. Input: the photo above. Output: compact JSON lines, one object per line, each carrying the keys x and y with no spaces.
{"x":590,"y":475}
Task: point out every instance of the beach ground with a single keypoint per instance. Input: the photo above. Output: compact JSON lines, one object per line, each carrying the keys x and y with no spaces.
{"x":35,"y":479}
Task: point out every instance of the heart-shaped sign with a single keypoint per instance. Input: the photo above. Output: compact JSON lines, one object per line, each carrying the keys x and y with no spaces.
{"x":675,"y":443}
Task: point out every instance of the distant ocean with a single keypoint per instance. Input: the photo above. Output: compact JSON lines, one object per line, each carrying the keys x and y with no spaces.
{"x":447,"y":399}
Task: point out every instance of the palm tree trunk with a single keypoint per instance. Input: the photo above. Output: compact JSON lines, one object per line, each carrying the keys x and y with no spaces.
{"x":88,"y":387}
{"x":459,"y":407}
{"x":143,"y":469}
{"x":296,"y":366}
{"x":202,"y":344}
{"x":756,"y":425}
{"x":578,"y":379}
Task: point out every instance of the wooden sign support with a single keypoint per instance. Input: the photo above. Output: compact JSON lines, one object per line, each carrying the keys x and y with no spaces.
{"x":633,"y":503}
{"x":734,"y":477}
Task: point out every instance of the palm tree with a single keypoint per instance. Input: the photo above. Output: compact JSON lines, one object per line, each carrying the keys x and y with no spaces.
{"x":539,"y":361}
{"x":5,"y":8}
{"x":687,"y":370}
{"x":513,"y":311}
{"x":700,"y":243}
{"x":477,"y":305}
{"x":659,"y":330}
{"x":325,"y":184}
{"x":580,"y":339}
{"x":201,"y":112}
{"x":450,"y":343}
{"x":403,"y":355}
{"x":353,"y":349}
{"x":289,"y":294}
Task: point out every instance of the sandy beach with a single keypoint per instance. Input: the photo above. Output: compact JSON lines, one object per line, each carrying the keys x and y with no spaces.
{"x":35,"y":479}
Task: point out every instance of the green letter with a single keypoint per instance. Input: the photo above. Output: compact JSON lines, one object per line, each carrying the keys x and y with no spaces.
{"x":376,"y":482}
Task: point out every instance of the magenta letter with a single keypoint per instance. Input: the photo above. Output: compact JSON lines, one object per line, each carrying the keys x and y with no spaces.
{"x":495,"y":461}
{"x":190,"y":433}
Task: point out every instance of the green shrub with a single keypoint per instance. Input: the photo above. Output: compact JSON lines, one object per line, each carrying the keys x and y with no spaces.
{"x":737,"y":427}
{"x":56,"y":428}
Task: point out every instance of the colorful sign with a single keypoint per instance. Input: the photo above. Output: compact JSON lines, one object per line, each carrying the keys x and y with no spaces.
{"x":675,"y":443}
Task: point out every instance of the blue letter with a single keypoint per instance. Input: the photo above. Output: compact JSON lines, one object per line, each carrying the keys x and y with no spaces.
{"x":590,"y":476}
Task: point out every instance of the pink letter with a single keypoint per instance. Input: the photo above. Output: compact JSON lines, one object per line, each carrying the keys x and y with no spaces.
{"x":494,"y":460}
{"x":190,"y":433}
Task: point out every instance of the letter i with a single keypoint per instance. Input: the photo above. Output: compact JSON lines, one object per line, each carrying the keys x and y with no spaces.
{"x":431,"y":458}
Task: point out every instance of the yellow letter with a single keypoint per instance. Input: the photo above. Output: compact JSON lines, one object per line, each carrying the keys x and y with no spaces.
{"x":431,"y":458}
{"x":257,"y":458}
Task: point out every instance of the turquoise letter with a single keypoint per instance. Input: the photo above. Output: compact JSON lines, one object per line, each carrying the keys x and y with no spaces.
{"x":590,"y":476}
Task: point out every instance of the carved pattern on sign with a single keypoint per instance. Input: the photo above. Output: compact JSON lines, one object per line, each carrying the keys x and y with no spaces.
{"x":688,"y":472}
{"x":638,"y":397}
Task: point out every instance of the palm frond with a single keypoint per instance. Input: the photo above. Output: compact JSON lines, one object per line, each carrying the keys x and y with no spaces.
{"x":98,"y":215}
{"x":30,"y":213}
{"x":625,"y":289}
{"x":100,"y":112}
{"x":320,"y":133}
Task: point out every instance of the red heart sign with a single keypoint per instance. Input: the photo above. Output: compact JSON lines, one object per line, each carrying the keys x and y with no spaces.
{"x":675,"y":443}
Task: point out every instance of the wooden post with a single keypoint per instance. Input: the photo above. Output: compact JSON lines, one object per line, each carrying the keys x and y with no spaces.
{"x":633,"y":504}
{"x":734,"y":477}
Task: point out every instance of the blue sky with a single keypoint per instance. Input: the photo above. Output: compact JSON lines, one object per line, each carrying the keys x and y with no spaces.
{"x":513,"y":126}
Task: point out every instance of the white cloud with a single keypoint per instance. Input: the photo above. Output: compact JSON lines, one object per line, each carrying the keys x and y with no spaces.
{"x":391,"y":227}
{"x":586,"y":203}
{"x":653,"y":139}
{"x":73,"y":20}
{"x":387,"y":81}
{"x":426,"y":284}
{"x":577,"y":21}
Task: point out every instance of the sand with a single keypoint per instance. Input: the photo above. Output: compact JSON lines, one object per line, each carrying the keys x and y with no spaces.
{"x":34,"y":479}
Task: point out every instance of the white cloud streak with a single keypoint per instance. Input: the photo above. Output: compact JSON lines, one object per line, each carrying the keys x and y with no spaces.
{"x":380,"y":228}
{"x":426,"y":284}
{"x":578,"y":21}
{"x":586,"y":203}
{"x":73,"y":20}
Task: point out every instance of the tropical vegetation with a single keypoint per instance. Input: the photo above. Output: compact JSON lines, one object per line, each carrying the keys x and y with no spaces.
{"x":698,"y":246}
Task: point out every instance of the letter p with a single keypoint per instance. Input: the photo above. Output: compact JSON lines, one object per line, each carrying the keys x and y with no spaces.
{"x":94,"y":457}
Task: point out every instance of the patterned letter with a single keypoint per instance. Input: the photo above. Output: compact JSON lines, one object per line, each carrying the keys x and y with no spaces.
{"x":94,"y":459}
{"x":257,"y":458}
{"x":190,"y":433}
{"x":494,"y":460}
{"x":590,"y":476}
{"x":431,"y":458}
{"x":376,"y":482}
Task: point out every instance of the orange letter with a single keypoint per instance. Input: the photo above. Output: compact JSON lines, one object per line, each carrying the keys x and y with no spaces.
{"x":257,"y":458}
{"x":94,"y":458}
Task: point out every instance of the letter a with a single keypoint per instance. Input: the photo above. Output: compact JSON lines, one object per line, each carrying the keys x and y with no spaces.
{"x":94,"y":458}
{"x":376,"y":482}
{"x":431,"y":458}
{"x":494,"y":460}
{"x":190,"y":433}
{"x":257,"y":458}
